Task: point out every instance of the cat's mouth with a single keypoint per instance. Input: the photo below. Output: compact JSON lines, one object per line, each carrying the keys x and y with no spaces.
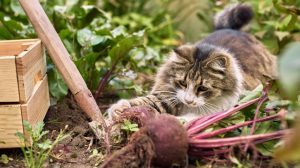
{"x":192,"y":104}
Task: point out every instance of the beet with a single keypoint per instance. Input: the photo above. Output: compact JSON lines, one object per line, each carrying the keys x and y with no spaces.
{"x":170,"y":140}
{"x":138,"y":153}
{"x":161,"y":142}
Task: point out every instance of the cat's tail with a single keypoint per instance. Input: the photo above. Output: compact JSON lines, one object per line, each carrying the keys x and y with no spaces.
{"x":233,"y":17}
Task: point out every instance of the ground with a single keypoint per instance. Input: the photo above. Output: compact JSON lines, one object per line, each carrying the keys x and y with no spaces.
{"x":73,"y":152}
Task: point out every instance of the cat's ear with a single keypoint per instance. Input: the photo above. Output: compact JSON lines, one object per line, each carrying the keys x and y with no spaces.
{"x":186,"y":52}
{"x":219,"y":62}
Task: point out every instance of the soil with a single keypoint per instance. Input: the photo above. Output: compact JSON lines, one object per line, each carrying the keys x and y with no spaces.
{"x":74,"y":151}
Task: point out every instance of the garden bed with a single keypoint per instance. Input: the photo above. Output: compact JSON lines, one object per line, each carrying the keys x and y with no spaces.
{"x":82,"y":149}
{"x":74,"y":151}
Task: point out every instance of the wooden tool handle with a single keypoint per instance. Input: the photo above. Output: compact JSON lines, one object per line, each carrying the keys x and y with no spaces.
{"x":61,"y":58}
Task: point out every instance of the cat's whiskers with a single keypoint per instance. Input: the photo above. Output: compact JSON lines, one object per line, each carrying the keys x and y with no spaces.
{"x":211,"y":107}
{"x":200,"y":110}
{"x":206,"y":110}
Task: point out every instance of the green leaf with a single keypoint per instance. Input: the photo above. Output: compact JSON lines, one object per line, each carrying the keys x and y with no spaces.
{"x":134,"y":129}
{"x":96,"y":40}
{"x":47,"y":144}
{"x":289,"y":70}
{"x":57,"y":86}
{"x":249,"y":95}
{"x":272,"y":44}
{"x":5,"y":34}
{"x":267,"y":148}
{"x":4,"y":159}
{"x":236,"y":161}
{"x":86,"y":37}
{"x":20,"y":136}
{"x":281,"y":34}
{"x":277,"y":103}
{"x":27,"y":126}
{"x":17,"y":9}
{"x":120,"y":50}
{"x":13,"y":25}
{"x":118,"y":32}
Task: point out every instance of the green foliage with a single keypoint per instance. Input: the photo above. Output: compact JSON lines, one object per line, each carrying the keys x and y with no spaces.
{"x":129,"y":127}
{"x":5,"y":159}
{"x":98,"y":155}
{"x":38,"y":151}
{"x":276,"y":22}
{"x":289,"y":70}
{"x":111,"y":36}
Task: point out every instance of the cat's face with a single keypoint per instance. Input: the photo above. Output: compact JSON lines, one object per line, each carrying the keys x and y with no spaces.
{"x":202,"y":73}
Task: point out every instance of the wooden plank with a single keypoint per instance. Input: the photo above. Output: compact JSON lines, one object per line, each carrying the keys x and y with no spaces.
{"x":38,"y":104}
{"x":8,"y":80}
{"x":10,"y":50}
{"x":17,"y":42}
{"x":31,"y":68}
{"x":10,"y":124}
{"x":14,"y":47}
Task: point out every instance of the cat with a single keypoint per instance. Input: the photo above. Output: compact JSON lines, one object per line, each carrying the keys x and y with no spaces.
{"x":209,"y":76}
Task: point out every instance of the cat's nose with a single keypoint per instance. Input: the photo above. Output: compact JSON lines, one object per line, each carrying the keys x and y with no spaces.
{"x":188,"y":101}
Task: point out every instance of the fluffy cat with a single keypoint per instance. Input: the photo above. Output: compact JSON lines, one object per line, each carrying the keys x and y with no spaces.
{"x":209,"y":76}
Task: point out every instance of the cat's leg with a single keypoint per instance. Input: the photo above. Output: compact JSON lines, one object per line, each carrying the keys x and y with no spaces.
{"x":156,"y":102}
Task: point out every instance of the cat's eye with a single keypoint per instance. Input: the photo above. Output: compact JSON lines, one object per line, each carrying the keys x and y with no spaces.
{"x":202,"y":88}
{"x":182,"y":83}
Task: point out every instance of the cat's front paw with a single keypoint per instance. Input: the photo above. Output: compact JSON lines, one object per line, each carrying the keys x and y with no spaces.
{"x":116,"y":109}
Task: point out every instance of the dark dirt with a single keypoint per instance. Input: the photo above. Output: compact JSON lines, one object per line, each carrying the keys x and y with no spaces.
{"x":74,"y":151}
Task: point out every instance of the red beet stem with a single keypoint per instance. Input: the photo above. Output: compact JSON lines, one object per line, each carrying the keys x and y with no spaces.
{"x":221,"y":142}
{"x":264,"y":97}
{"x":230,"y":128}
{"x":201,"y":153}
{"x":205,"y":124}
{"x":199,"y":120}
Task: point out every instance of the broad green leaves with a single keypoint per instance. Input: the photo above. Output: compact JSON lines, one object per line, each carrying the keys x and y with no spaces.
{"x":99,"y":38}
{"x":86,"y":38}
{"x":289,"y":69}
{"x":57,"y":86}
{"x":122,"y":47}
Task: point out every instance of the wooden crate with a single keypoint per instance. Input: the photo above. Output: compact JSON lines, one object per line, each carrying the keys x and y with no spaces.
{"x":22,"y":65}
{"x":24,"y":92}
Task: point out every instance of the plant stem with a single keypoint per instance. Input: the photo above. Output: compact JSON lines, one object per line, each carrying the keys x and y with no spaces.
{"x":222,"y":142}
{"x":219,"y":117}
{"x":103,"y":82}
{"x":230,"y":128}
{"x":199,"y":121}
{"x":264,"y":97}
{"x":201,"y":153}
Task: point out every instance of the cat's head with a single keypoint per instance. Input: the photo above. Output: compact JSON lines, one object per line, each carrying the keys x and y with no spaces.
{"x":201,"y":73}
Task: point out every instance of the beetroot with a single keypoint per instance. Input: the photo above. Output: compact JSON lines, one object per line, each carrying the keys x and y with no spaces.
{"x":161,"y":142}
{"x":170,"y":141}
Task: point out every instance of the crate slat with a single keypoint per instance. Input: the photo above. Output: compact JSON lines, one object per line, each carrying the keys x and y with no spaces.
{"x":8,"y":83}
{"x":14,"y":47}
{"x":36,"y":107}
{"x":10,"y":124}
{"x":24,"y":92}
{"x":31,"y":68}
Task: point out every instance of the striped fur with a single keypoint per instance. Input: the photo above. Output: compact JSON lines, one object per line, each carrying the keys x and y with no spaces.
{"x":209,"y":76}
